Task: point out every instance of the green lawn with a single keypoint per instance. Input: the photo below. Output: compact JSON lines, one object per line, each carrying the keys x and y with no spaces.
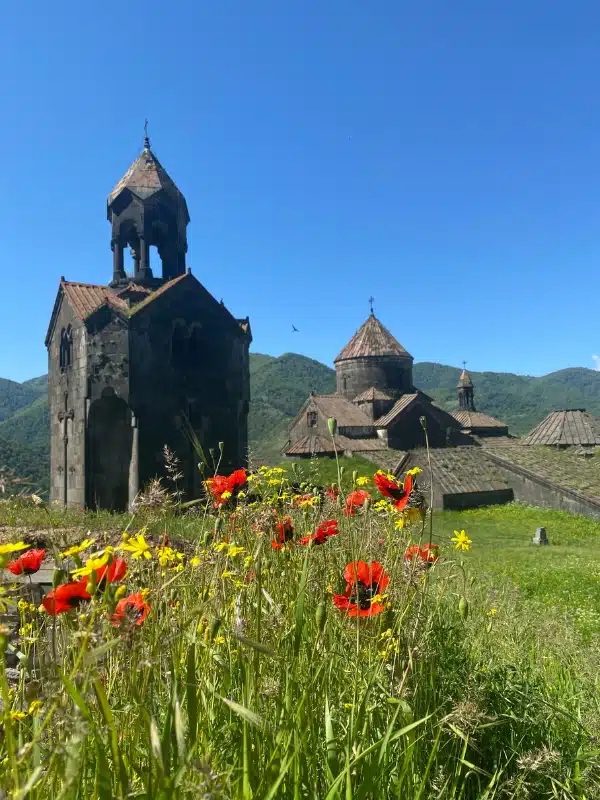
{"x":565,"y":575}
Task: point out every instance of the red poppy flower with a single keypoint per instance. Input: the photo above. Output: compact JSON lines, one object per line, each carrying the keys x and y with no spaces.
{"x":394,"y":490}
{"x":363,"y":583}
{"x":133,"y":609}
{"x":332,"y":493}
{"x":220,"y":484}
{"x":115,"y":571}
{"x":430,"y":553}
{"x":323,"y":532}
{"x":28,"y":563}
{"x":413,"y":552}
{"x":356,"y":500}
{"x":285,"y":533}
{"x":66,"y":597}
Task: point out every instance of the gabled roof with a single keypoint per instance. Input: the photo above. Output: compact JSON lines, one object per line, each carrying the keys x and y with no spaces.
{"x":145,"y":177}
{"x":566,"y":427}
{"x":476,"y":419}
{"x":346,"y":413}
{"x":85,"y":298}
{"x":399,"y":406}
{"x":458,"y":470}
{"x":372,"y":339}
{"x":370,"y":395}
{"x":406,"y":402}
{"x":321,"y":445}
{"x":464,"y":380}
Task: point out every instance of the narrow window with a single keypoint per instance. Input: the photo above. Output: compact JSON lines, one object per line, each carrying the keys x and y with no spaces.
{"x":66,"y":348}
{"x":311,"y":419}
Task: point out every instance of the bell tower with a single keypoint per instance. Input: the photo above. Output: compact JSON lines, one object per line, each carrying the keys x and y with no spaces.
{"x":465,"y":391}
{"x":147,"y":209}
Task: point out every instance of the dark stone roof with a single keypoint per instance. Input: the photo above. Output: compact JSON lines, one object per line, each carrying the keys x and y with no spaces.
{"x":145,"y":177}
{"x":345,"y":412}
{"x":399,"y":406}
{"x":464,"y":380}
{"x":474,"y":420}
{"x":457,"y":470}
{"x":370,"y":395}
{"x":567,"y":427}
{"x":372,"y":339}
{"x":323,"y":445}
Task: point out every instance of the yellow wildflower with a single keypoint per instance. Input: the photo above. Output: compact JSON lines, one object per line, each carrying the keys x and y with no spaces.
{"x":15,"y":716}
{"x":234,"y":550}
{"x":274,"y":482}
{"x":399,"y":524}
{"x":219,"y":639}
{"x":241,"y":495}
{"x":414,"y":471}
{"x":362,"y":480}
{"x":227,"y":574}
{"x":12,"y":547}
{"x":97,"y":561}
{"x":23,"y":605}
{"x":137,"y":546}
{"x":492,"y":612}
{"x":195,"y":561}
{"x":145,"y":593}
{"x":461,"y":540}
{"x":226,"y":495}
{"x":34,"y":708}
{"x":221,"y":546}
{"x":78,"y":548}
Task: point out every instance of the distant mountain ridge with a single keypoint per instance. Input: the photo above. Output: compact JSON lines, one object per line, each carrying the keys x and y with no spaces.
{"x":279,"y":386}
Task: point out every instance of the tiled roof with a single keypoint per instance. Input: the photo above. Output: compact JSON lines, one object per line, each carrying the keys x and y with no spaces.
{"x":464,"y":379}
{"x":400,"y":406}
{"x":476,"y":419}
{"x":568,"y":427}
{"x":160,"y":291}
{"x":318,"y":445}
{"x":145,"y":177}
{"x":371,"y":394}
{"x":85,"y":298}
{"x":345,"y":412}
{"x":372,"y":339}
{"x":457,"y":470}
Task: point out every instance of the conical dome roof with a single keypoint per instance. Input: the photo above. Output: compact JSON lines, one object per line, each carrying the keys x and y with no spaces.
{"x":464,"y":380}
{"x":145,"y":177}
{"x":372,"y":339}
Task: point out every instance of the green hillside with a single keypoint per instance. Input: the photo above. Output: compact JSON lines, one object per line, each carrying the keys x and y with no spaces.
{"x":280,"y":385}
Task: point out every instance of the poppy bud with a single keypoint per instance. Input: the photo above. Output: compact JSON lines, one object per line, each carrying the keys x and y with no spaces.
{"x":121,"y":592}
{"x":57,"y":577}
{"x":332,"y":425}
{"x":215,"y":625}
{"x":423,"y":421}
{"x":321,"y":616}
{"x":489,"y":627}
{"x":463,"y":607}
{"x":354,"y":476}
{"x":221,"y":447}
{"x":218,"y":524}
{"x":342,"y":470}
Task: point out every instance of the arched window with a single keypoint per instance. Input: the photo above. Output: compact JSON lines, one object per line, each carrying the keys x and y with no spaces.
{"x":66,"y":348}
{"x":311,"y":419}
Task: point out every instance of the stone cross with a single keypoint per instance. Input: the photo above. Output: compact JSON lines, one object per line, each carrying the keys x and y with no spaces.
{"x":371,"y":301}
{"x":540,"y":536}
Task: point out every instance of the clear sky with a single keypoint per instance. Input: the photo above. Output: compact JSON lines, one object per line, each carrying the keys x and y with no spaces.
{"x":443,"y":157}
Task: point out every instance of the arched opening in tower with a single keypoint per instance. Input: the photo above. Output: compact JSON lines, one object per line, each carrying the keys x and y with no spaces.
{"x":110,"y":437}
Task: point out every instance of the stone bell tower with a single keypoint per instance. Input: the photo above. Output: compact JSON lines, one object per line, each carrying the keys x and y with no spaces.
{"x":146,"y":361}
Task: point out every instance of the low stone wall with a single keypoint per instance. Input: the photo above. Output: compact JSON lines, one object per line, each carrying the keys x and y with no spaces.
{"x":529,"y":487}
{"x":459,"y":502}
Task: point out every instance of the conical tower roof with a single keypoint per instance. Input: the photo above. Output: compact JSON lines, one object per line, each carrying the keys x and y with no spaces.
{"x":464,"y":380}
{"x":372,"y":339}
{"x":145,"y":177}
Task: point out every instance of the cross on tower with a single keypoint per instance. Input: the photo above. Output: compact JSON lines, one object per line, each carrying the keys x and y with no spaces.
{"x":371,"y":301}
{"x":146,"y":138}
{"x":464,"y":363}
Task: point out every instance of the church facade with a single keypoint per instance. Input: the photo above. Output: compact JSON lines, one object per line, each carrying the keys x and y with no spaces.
{"x":144,"y":361}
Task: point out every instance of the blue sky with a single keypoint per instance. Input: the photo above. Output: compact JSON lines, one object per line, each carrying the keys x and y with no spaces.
{"x":444,"y":157}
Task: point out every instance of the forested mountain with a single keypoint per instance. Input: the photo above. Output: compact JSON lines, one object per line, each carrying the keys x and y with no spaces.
{"x":280,"y":385}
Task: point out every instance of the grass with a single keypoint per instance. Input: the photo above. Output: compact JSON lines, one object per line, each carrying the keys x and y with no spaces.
{"x":245,"y":681}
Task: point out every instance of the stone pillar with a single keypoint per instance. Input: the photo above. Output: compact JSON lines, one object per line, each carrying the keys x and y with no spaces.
{"x":134,"y":465}
{"x":144,"y":263}
{"x":118,"y":268}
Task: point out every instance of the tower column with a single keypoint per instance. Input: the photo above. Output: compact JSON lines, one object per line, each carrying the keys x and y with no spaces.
{"x":144,"y":262}
{"x":118,"y":267}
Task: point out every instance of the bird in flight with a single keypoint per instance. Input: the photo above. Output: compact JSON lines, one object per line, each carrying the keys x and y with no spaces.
{"x":295,"y":329}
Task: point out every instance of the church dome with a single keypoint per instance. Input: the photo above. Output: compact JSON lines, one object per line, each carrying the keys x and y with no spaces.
{"x":373,"y":359}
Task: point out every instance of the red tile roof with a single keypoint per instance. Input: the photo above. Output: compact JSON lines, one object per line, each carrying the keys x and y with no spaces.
{"x":85,"y":298}
{"x":372,"y":339}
